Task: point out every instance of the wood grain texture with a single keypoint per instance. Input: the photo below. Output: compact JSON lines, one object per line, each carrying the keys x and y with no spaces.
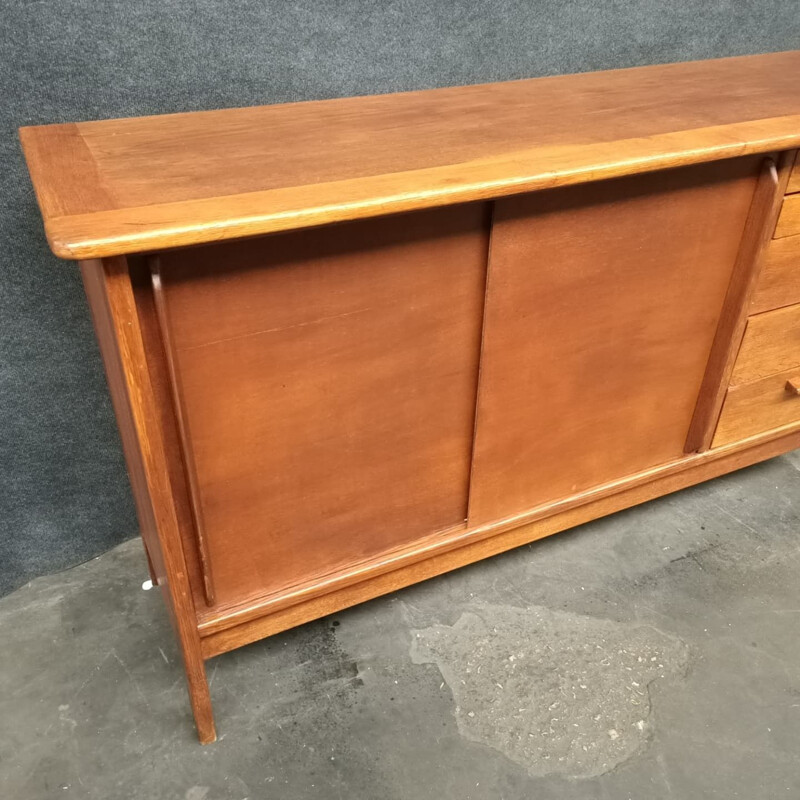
{"x":112,"y":302}
{"x":602,"y":304}
{"x":779,"y":282}
{"x":771,"y":344}
{"x":789,"y":220}
{"x":60,"y":151}
{"x":759,"y":406}
{"x":764,"y":210}
{"x":328,"y":383}
{"x":248,"y":624}
{"x":345,"y":159}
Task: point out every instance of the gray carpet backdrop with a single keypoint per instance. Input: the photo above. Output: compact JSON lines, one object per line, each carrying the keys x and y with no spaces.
{"x":64,"y":495}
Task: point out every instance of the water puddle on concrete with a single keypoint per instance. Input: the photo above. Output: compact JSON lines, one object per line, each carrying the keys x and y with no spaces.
{"x":556,"y":692}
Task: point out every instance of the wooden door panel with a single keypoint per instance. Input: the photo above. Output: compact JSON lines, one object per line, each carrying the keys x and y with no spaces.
{"x":327,"y":383}
{"x":602,"y":303}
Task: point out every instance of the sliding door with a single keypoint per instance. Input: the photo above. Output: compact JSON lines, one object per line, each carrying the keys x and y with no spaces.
{"x":602,"y":303}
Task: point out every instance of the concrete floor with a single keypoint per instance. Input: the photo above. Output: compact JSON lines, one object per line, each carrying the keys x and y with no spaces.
{"x":652,"y":654}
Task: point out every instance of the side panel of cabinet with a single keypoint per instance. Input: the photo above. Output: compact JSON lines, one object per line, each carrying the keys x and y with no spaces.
{"x":326,"y":382}
{"x":602,"y":304}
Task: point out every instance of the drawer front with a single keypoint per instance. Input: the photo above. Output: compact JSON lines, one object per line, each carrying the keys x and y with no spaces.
{"x":794,"y":180}
{"x":779,"y":283}
{"x":760,"y":406}
{"x":771,"y":344}
{"x":789,"y":219}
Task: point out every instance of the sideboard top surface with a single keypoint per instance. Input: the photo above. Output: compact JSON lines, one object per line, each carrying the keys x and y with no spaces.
{"x":131,"y":185}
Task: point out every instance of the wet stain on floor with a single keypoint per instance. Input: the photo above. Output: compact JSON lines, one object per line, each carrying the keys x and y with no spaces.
{"x":556,"y":692}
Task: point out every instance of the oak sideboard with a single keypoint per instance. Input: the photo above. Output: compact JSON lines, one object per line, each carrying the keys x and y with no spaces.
{"x":352,"y":344}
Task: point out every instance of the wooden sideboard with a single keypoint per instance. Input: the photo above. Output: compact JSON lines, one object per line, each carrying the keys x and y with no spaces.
{"x":353,"y":344}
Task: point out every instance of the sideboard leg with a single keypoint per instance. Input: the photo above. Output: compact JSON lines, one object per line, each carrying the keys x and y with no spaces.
{"x":200,"y":698}
{"x":113,"y":306}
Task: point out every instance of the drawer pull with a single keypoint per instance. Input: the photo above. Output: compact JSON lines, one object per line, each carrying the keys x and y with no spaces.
{"x":793,"y":386}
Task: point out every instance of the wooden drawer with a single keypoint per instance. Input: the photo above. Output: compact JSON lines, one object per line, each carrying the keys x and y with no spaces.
{"x":779,"y":283}
{"x":789,"y":219}
{"x":760,"y":406}
{"x":794,"y":180}
{"x":771,"y":345}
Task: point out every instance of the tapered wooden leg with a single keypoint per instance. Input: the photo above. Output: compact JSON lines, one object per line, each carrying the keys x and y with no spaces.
{"x":200,"y":698}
